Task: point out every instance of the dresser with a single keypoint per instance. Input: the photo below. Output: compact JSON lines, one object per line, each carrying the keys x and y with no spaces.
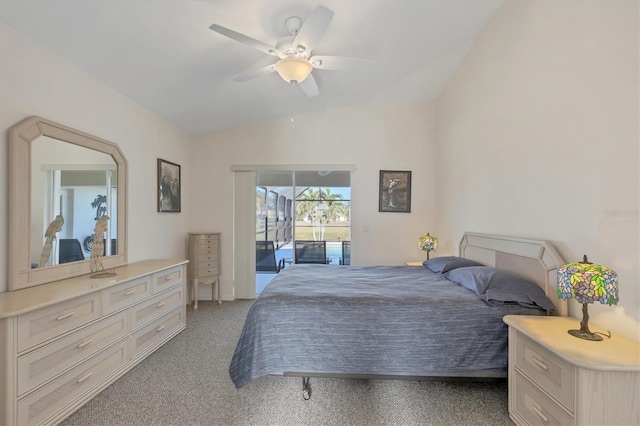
{"x":558,"y":379}
{"x":204,"y":263}
{"x":63,"y":342}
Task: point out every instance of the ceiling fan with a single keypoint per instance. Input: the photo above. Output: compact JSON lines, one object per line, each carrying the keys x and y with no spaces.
{"x":295,"y":62}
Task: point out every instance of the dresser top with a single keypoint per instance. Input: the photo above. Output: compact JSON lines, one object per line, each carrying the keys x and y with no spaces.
{"x":615,"y":354}
{"x":18,"y":302}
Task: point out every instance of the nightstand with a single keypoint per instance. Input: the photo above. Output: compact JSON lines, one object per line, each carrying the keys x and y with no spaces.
{"x":555,"y":378}
{"x":414,"y":263}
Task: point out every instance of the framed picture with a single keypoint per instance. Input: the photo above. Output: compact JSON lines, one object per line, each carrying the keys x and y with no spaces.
{"x":168,"y":186}
{"x":395,"y":191}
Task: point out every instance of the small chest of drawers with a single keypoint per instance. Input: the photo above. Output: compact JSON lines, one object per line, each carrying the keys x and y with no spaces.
{"x":558,"y":379}
{"x":204,"y":263}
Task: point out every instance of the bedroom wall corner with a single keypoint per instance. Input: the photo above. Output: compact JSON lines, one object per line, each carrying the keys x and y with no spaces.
{"x":538,"y":134}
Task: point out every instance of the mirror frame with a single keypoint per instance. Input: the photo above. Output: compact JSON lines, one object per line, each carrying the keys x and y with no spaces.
{"x":21,"y":135}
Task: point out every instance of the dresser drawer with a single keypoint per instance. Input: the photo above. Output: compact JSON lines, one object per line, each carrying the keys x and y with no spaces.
{"x":533,"y":406}
{"x":123,"y":295}
{"x":41,"y":325}
{"x":46,"y":401}
{"x":40,"y":365}
{"x":546,"y":369}
{"x":156,"y":332}
{"x":156,"y":306}
{"x":167,"y":279}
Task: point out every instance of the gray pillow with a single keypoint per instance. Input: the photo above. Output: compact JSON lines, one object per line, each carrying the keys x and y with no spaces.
{"x":497,"y":287}
{"x":444,"y":264}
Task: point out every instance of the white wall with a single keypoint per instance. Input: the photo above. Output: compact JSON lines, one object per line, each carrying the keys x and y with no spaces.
{"x":538,"y":137}
{"x":34,"y":81}
{"x":374,"y":137}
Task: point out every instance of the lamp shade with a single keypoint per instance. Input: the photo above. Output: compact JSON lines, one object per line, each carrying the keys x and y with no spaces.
{"x":587,"y":283}
{"x":293,"y":69}
{"x":428,"y":243}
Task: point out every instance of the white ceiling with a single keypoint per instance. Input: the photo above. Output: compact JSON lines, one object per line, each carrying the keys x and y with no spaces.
{"x":162,"y":54}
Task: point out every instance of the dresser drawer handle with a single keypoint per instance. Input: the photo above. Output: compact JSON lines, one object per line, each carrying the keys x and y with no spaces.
{"x":539,"y":363}
{"x":160,"y":305}
{"x":539,"y":413}
{"x":159,"y":329}
{"x":85,"y":343}
{"x":85,"y":377}
{"x":130,"y":292}
{"x":168,"y":278}
{"x":65,"y":316}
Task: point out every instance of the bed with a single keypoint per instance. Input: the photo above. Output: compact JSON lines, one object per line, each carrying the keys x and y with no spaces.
{"x":402,"y":322}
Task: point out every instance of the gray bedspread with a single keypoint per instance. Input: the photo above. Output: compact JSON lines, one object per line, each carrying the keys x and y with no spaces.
{"x":370,"y":320}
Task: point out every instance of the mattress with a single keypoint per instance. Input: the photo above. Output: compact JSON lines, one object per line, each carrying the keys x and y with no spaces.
{"x":400,"y":321}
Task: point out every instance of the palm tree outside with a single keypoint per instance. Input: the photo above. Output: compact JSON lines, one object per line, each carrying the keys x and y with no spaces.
{"x":324,"y":210}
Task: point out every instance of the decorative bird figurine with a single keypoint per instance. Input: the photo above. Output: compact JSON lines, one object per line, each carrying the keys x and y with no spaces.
{"x":97,"y":250}
{"x":50,"y":236}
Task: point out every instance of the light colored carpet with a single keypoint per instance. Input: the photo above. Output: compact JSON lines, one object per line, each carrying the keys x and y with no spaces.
{"x":186,"y":382}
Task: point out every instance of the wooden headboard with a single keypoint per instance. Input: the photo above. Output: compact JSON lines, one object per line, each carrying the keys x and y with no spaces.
{"x":536,"y":260}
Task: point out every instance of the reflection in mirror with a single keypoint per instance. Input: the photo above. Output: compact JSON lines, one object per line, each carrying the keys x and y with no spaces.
{"x":77,"y":185}
{"x":61,"y":180}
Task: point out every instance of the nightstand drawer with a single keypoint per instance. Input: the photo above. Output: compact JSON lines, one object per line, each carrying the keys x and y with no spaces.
{"x":546,"y":369}
{"x":536,"y":408}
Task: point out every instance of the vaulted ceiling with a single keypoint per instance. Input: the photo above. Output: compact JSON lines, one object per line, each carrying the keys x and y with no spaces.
{"x":162,"y":54}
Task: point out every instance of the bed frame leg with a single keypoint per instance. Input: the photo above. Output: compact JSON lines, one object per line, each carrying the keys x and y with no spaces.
{"x":306,"y":388}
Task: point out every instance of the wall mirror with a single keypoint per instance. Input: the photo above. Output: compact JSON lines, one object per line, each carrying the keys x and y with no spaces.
{"x":62,"y":179}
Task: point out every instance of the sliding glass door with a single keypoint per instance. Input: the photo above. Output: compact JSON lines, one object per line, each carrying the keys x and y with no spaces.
{"x":292,"y":206}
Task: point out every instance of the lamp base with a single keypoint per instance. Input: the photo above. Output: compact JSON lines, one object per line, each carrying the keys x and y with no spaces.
{"x":584,"y":332}
{"x":587,"y":335}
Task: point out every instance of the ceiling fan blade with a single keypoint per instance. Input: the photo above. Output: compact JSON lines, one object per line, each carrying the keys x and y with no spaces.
{"x":255,"y":74}
{"x":246,"y":40}
{"x":309,"y":86}
{"x":340,"y":63}
{"x":313,"y":29}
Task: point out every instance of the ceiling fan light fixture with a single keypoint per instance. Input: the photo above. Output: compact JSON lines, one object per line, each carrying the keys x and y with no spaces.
{"x":293,"y":70}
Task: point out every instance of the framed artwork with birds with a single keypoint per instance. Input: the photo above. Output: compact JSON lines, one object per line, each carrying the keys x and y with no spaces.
{"x":394,"y":191}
